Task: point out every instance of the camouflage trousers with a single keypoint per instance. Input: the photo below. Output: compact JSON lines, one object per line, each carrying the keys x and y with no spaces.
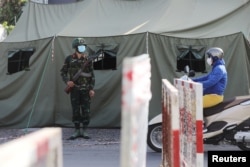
{"x":80,"y":101}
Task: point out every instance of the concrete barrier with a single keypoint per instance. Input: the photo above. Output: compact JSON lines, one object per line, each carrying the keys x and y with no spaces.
{"x":42,"y":148}
{"x":135,"y":105}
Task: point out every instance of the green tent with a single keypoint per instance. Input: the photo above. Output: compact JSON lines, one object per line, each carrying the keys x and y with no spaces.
{"x":31,"y":89}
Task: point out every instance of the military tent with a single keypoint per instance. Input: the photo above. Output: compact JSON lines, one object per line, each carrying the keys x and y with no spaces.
{"x":173,"y":32}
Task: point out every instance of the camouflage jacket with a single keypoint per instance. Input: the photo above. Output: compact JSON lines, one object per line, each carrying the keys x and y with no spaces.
{"x":71,"y":66}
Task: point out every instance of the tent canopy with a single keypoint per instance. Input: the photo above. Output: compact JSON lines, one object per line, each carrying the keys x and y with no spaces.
{"x":97,"y":18}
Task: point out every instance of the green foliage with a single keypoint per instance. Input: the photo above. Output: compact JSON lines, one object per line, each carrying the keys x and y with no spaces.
{"x":8,"y":28}
{"x":10,"y":12}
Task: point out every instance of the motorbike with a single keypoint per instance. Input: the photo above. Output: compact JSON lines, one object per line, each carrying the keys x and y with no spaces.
{"x":227,"y":123}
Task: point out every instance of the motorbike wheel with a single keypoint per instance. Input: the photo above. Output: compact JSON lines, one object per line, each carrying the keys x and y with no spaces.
{"x":154,"y":138}
{"x":244,"y":146}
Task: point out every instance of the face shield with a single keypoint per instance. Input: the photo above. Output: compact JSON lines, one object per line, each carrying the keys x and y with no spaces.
{"x":81,"y":48}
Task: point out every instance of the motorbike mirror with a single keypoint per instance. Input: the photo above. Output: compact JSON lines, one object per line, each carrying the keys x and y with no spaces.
{"x":191,"y":73}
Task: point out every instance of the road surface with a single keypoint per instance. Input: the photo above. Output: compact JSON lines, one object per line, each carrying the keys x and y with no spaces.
{"x":103,"y":149}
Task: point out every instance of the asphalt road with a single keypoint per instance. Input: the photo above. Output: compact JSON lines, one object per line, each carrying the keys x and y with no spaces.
{"x":104,"y":156}
{"x":103,"y":149}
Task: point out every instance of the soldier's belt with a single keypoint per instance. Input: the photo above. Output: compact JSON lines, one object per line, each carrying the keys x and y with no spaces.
{"x":78,"y":86}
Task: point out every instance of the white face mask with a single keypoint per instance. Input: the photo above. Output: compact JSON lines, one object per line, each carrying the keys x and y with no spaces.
{"x":209,"y":61}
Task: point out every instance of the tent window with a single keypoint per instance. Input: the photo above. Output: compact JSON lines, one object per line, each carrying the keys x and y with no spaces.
{"x":107,"y":57}
{"x":105,"y":61}
{"x":193,"y":56}
{"x":18,"y":60}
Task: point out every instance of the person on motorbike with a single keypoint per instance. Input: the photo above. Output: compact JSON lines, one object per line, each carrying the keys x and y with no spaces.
{"x":215,"y":82}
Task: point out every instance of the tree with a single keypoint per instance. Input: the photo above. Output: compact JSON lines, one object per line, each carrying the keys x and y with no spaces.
{"x":10,"y":12}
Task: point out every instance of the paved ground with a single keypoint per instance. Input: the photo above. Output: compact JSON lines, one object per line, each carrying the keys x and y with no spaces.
{"x":100,"y":150}
{"x":103,"y":149}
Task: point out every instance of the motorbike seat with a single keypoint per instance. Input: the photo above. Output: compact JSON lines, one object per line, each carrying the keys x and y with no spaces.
{"x":224,"y":105}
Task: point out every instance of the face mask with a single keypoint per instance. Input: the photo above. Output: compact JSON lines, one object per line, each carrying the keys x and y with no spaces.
{"x":209,"y":61}
{"x":81,"y":48}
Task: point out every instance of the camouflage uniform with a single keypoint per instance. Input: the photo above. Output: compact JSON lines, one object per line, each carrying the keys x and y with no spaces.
{"x":80,"y":99}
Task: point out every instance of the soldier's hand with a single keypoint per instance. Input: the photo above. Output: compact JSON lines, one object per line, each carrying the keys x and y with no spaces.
{"x":70,"y":84}
{"x":91,"y":93}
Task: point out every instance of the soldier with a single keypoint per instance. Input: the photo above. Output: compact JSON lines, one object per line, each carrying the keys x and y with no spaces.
{"x":81,"y":88}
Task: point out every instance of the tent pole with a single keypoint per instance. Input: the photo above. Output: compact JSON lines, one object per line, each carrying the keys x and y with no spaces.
{"x":147,"y":42}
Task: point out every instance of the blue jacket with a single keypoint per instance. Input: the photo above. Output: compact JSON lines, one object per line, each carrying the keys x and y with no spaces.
{"x":216,"y":81}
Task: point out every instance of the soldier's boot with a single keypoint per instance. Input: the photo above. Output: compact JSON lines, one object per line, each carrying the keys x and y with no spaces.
{"x":84,"y":133}
{"x":76,"y":134}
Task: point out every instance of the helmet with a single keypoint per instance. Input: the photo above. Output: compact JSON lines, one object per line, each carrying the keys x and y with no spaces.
{"x":78,"y":41}
{"x":215,"y":53}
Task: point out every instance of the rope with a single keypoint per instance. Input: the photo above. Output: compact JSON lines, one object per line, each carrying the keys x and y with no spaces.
{"x":38,"y":90}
